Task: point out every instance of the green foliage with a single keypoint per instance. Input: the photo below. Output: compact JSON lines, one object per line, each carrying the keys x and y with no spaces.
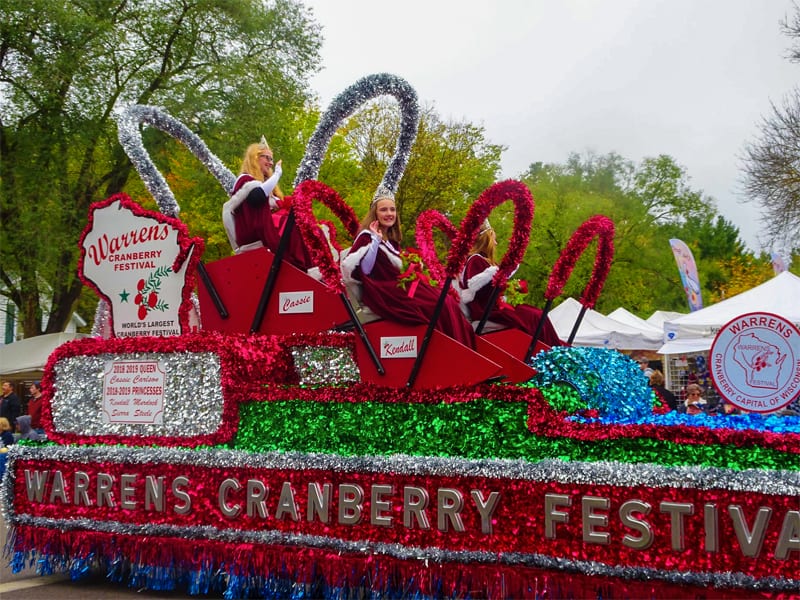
{"x":231,"y":69}
{"x":649,"y":204}
{"x":451,"y":163}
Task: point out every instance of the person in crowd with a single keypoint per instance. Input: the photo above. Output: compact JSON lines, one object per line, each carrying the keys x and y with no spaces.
{"x":695,"y":403}
{"x":257,"y":211}
{"x":657,"y":383}
{"x":25,"y":430}
{"x":35,"y":406}
{"x":375,"y":261}
{"x":644,"y":365}
{"x":476,"y":290}
{"x":11,"y":406}
{"x":6,"y":432}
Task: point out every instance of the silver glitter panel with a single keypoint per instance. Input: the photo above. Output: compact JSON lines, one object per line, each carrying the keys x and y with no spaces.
{"x":398,"y":464}
{"x":345,"y":104}
{"x":325,"y":365}
{"x":193,"y":400}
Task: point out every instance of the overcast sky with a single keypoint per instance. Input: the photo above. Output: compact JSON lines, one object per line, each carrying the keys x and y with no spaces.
{"x":687,"y":78}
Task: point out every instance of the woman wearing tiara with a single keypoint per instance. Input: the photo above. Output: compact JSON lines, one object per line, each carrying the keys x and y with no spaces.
{"x":475,"y":287}
{"x":375,"y":262}
{"x":257,"y":211}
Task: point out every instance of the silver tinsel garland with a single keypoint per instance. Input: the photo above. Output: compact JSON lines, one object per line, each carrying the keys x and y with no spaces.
{"x":130,"y":136}
{"x":345,"y":104}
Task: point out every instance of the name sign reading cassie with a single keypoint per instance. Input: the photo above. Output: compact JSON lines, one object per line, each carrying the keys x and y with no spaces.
{"x":133,"y":392}
{"x":295,"y":302}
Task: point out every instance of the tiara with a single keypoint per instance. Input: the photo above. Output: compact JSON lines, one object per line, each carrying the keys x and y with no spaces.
{"x":485,"y":226}
{"x":264,"y":145}
{"x":382,"y":193}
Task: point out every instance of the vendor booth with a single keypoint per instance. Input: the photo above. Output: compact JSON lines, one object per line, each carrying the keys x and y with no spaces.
{"x":688,"y":338}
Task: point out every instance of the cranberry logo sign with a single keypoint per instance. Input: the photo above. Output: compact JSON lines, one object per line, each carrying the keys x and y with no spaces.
{"x":755,"y":362}
{"x":295,"y":303}
{"x":399,"y":346}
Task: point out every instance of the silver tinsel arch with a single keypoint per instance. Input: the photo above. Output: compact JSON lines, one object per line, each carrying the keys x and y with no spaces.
{"x":130,"y":136}
{"x":345,"y":104}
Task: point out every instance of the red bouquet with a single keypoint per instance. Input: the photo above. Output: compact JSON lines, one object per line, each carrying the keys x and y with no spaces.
{"x":413,"y":271}
{"x":516,"y":291}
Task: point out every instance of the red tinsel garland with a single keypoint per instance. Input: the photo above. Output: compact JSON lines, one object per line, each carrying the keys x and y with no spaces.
{"x":543,"y":420}
{"x":515,"y":526}
{"x":313,"y":236}
{"x":426,"y":222}
{"x":598,"y":226}
{"x":185,"y":241}
{"x":490,"y":198}
{"x":368,"y":392}
{"x":350,"y":570}
{"x":259,"y":369}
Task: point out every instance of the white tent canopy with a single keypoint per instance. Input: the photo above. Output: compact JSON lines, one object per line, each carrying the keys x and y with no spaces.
{"x":623,"y":315}
{"x":697,"y":330}
{"x":658,"y":317}
{"x":599,"y":331}
{"x":29,"y":356}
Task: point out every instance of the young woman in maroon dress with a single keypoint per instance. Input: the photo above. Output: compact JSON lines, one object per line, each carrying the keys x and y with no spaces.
{"x":374,"y":261}
{"x":257,"y":212}
{"x":476,"y":290}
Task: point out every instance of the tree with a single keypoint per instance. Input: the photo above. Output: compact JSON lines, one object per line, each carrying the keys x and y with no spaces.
{"x":451,"y":162}
{"x":649,"y":203}
{"x":67,"y":67}
{"x":771,"y":163}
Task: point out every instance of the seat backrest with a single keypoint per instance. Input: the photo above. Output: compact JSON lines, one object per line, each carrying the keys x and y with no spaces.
{"x":353,"y":289}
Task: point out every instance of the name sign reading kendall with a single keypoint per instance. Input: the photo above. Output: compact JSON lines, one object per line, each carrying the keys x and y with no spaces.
{"x":133,"y":392}
{"x":295,"y":302}
{"x":404,"y":346}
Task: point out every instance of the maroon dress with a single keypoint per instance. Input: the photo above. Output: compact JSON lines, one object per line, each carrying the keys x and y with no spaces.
{"x":255,"y":222}
{"x":385,"y":298}
{"x":476,"y":289}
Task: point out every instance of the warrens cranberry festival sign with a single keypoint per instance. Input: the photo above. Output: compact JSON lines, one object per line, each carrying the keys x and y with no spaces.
{"x":140,"y":262}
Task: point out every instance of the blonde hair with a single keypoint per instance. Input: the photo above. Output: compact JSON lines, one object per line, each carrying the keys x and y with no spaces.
{"x":657,"y":377}
{"x":485,"y":245}
{"x":693,"y":387}
{"x":5,"y":424}
{"x":251,"y":167}
{"x":393,"y":232}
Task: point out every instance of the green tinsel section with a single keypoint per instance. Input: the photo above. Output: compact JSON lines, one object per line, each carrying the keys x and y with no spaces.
{"x":482,"y":429}
{"x":563,"y":397}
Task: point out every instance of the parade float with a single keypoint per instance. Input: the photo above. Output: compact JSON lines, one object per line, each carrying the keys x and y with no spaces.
{"x":239,"y":428}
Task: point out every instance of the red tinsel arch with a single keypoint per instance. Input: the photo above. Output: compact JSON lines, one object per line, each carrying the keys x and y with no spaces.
{"x":597,"y":226}
{"x":426,"y":222}
{"x":492,"y":197}
{"x":315,"y":239}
